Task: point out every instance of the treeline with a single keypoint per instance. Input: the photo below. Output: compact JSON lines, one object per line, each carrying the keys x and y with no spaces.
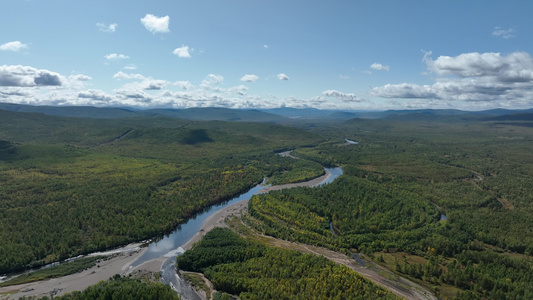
{"x":252,"y":271}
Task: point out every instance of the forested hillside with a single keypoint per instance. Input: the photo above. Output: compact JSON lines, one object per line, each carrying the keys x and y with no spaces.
{"x":398,"y":181}
{"x":71,"y":186}
{"x":443,"y":201}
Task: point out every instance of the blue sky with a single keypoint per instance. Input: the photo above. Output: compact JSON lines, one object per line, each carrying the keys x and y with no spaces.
{"x":357,"y":55}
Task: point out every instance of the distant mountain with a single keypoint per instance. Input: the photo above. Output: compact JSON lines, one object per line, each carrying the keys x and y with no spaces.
{"x":197,"y":114}
{"x":436,"y":114}
{"x":217,"y":114}
{"x":513,"y":117}
{"x":311,"y":113}
{"x":72,"y":111}
{"x":273,"y":115}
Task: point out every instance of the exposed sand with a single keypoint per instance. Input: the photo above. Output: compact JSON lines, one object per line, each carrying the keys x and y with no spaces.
{"x":128,"y":254}
{"x":312,"y":182}
{"x":79,"y":281}
{"x":219,"y":218}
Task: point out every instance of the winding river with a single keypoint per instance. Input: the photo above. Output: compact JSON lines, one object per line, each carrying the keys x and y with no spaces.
{"x":163,"y":250}
{"x":172,"y":245}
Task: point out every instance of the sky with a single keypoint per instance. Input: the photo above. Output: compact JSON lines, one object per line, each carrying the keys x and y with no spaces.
{"x":349,"y":55}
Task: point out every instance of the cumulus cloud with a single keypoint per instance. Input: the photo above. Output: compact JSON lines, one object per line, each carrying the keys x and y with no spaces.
{"x":514,"y":65}
{"x":345,"y":97}
{"x":142,"y":83}
{"x":13,"y":46}
{"x":471,"y":77}
{"x":121,"y":75}
{"x":133,"y":96}
{"x":186,"y":85}
{"x":503,"y":33}
{"x":156,"y":24}
{"x":182,"y":52}
{"x":405,"y":90}
{"x":115,"y":56}
{"x":239,"y":90}
{"x":153,"y":84}
{"x":379,"y":67}
{"x":25,"y":76}
{"x":9,"y":92}
{"x":107,"y":28}
{"x":211,"y":80}
{"x":283,"y":76}
{"x":95,"y":95}
{"x":79,"y":77}
{"x":249,"y":78}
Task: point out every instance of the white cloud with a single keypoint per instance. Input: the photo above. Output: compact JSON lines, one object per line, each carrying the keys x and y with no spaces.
{"x":148,"y":92}
{"x":130,"y":67}
{"x":145,"y":83}
{"x":133,"y":97}
{"x":503,"y":33}
{"x":156,"y":24}
{"x":13,"y":46}
{"x":265,"y":46}
{"x":115,"y":56}
{"x":283,"y":76}
{"x":25,"y":76}
{"x":404,"y":90}
{"x":121,"y":75}
{"x":97,"y":95}
{"x":107,"y":28}
{"x":211,"y":80}
{"x":249,"y":78}
{"x":484,"y":64}
{"x":471,"y":77}
{"x":344,"y":76}
{"x":379,"y":67}
{"x":186,"y":85}
{"x":240,"y":89}
{"x":79,"y":77}
{"x":182,"y":52}
{"x":153,"y":84}
{"x":345,"y":97}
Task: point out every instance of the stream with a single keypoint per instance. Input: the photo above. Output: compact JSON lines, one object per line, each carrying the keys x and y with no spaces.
{"x":170,"y":246}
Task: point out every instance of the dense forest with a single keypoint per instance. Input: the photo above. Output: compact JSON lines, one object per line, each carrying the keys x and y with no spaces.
{"x":445,"y":201}
{"x":253,"y":271}
{"x":398,"y":181}
{"x":73,"y":186}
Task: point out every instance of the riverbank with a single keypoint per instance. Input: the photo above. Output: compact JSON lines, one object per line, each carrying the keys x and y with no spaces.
{"x":126,"y":256}
{"x":119,"y":263}
{"x":219,"y":218}
{"x":379,"y":275}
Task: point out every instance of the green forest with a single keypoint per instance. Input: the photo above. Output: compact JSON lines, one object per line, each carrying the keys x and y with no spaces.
{"x":396,"y":184}
{"x":63,"y":195}
{"x":253,"y":271}
{"x":444,"y":201}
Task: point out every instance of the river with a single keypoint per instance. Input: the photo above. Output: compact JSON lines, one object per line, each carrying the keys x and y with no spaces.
{"x":351,"y":142}
{"x":172,"y":245}
{"x":163,"y":249}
